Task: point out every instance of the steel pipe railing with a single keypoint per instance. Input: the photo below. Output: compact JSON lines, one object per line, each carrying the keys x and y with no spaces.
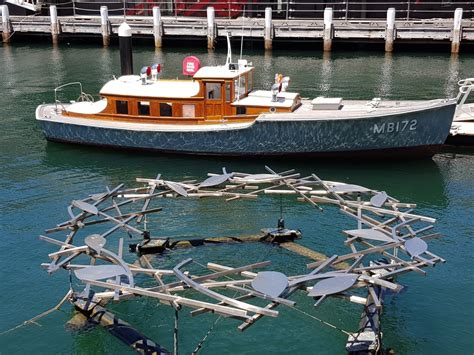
{"x":281,"y":9}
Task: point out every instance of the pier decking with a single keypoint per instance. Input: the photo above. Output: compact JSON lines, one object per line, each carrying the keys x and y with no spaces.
{"x":327,"y":30}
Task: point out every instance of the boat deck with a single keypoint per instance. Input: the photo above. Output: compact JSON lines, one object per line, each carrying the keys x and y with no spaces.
{"x":362,"y":108}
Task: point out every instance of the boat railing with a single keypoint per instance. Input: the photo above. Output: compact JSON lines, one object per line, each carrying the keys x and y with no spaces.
{"x":465,"y":88}
{"x":82,"y":96}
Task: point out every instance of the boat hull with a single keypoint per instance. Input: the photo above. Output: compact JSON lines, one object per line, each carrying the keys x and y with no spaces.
{"x":417,"y":133}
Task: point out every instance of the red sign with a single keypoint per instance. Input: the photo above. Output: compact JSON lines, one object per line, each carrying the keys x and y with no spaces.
{"x":191,"y":65}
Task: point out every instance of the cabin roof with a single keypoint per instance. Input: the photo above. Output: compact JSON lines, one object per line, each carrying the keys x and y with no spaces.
{"x":220,"y":72}
{"x":131,"y":85}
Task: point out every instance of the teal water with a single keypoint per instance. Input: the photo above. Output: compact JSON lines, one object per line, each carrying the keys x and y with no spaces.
{"x":38,"y":180}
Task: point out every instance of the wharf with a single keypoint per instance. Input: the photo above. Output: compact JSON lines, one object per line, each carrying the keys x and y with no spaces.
{"x":268,"y":30}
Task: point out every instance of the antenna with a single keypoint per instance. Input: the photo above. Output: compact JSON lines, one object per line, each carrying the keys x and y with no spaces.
{"x":229,"y":50}
{"x":242,"y":36}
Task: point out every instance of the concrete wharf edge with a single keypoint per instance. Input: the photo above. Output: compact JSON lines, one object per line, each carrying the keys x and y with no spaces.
{"x":425,"y":31}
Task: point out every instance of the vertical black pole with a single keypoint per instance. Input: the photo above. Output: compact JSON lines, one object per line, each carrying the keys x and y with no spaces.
{"x":125,"y":44}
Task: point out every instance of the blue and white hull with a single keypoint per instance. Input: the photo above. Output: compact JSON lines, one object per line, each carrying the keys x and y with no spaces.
{"x":420,"y":129}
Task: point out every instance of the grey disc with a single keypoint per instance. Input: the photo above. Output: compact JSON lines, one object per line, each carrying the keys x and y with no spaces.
{"x":95,"y":242}
{"x":98,"y":272}
{"x":270,"y":283}
{"x":214,"y":180}
{"x":415,"y":246}
{"x":379,"y":199}
{"x":86,"y":207}
{"x":333,"y":285}
{"x":176,"y":188}
{"x":342,"y":188}
{"x":371,"y":234}
{"x":256,"y":178}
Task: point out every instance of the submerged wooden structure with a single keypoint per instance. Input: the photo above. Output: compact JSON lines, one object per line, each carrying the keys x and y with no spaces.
{"x":390,"y":240}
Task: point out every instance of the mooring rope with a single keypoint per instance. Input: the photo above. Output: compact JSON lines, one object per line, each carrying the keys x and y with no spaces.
{"x":199,"y":345}
{"x":321,"y":321}
{"x":34,"y":319}
{"x":23,"y":19}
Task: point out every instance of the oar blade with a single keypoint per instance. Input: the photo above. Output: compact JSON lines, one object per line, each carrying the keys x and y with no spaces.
{"x":99,"y":272}
{"x":270,"y":283}
{"x":333,"y":285}
{"x":86,"y":207}
{"x":416,"y":246}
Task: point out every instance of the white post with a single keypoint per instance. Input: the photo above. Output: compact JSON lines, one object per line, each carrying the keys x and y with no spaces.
{"x":456,"y":40}
{"x":104,"y":21}
{"x":5,"y":24}
{"x":390,"y":30}
{"x":268,"y":28}
{"x":211,"y":30}
{"x":328,"y":29}
{"x":157,"y":26}
{"x":53,"y":13}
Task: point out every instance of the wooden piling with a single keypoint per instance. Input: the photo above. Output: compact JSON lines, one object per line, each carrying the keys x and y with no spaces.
{"x":390,"y":30}
{"x":6,"y":33}
{"x":328,"y":29}
{"x":104,"y":21}
{"x":211,"y":28}
{"x":53,"y":13}
{"x":456,"y":37}
{"x":157,"y":26}
{"x":268,"y":28}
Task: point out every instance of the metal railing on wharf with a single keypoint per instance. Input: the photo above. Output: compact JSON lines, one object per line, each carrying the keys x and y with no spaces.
{"x":389,"y":22}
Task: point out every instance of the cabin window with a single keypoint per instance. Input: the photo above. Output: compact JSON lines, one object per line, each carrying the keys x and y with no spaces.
{"x":241,"y":110}
{"x":250,"y":82}
{"x":228,"y":87}
{"x":213,"y":91}
{"x":122,"y":107}
{"x":144,"y":108}
{"x":189,"y":110}
{"x":166,"y":109}
{"x":240,"y":86}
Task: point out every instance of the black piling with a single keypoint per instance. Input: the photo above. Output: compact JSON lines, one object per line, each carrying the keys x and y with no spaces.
{"x":125,"y":44}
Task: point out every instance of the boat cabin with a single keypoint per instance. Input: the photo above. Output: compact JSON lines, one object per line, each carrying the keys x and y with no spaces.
{"x":214,"y":94}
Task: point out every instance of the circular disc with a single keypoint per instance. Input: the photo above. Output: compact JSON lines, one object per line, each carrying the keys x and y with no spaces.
{"x":270,"y":283}
{"x":333,"y":285}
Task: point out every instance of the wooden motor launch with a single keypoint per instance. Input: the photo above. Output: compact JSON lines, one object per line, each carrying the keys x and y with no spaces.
{"x":218,"y":111}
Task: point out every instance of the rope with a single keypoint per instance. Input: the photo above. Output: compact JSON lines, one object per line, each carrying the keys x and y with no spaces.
{"x":199,"y":346}
{"x":34,"y":319}
{"x":23,"y":19}
{"x":322,"y":321}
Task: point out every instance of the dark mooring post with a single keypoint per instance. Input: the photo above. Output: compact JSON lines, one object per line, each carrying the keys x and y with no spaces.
{"x":125,"y":44}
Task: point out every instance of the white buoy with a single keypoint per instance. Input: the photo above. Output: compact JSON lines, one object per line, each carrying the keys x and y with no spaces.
{"x":211,"y":30}
{"x":53,"y":13}
{"x":456,"y":40}
{"x":390,"y":30}
{"x":125,"y":44}
{"x":328,"y":29}
{"x":157,"y":26}
{"x":268,"y":28}
{"x":104,"y":21}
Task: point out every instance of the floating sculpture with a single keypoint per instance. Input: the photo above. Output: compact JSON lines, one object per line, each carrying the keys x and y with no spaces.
{"x":385,"y":227}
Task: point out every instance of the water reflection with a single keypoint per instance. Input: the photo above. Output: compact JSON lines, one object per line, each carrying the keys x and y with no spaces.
{"x":326,"y":73}
{"x":385,"y":85}
{"x":58,"y":65}
{"x":453,"y":76}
